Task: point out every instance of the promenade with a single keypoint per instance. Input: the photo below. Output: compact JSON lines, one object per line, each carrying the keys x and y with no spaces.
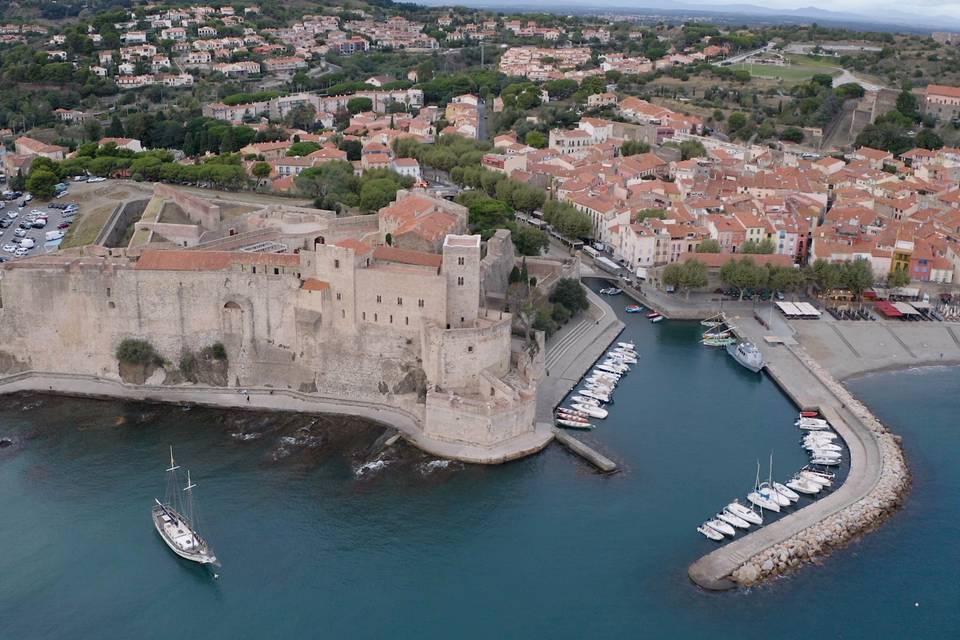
{"x":808,"y":391}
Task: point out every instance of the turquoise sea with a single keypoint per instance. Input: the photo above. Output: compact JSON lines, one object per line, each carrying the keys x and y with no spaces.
{"x":320,"y":539}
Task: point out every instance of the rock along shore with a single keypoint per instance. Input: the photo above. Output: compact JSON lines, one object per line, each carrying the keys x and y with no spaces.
{"x":840,"y":528}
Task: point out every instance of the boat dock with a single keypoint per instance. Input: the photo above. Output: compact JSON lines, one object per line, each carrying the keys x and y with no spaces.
{"x":797,"y":376}
{"x":597,"y":459}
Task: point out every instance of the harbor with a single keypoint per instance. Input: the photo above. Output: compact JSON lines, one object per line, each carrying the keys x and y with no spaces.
{"x":686,"y":430}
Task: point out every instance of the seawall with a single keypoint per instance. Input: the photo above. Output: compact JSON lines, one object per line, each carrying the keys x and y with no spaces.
{"x":874,"y":488}
{"x":265,"y":398}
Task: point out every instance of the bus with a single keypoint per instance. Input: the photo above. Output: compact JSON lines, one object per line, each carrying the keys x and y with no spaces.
{"x":590,"y":251}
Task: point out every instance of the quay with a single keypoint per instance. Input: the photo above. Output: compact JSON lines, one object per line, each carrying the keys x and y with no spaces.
{"x":597,"y":459}
{"x":570,"y":355}
{"x":811,"y":388}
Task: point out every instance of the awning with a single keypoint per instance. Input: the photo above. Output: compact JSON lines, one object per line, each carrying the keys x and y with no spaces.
{"x":906,"y":309}
{"x":887,"y":309}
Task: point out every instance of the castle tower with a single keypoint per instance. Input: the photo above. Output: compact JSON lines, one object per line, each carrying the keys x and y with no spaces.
{"x":461,"y":265}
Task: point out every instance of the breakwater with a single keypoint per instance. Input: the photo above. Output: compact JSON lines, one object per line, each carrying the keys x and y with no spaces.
{"x":874,"y":488}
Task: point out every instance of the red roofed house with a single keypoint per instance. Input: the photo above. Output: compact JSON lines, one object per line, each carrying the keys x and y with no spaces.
{"x":418,"y":221}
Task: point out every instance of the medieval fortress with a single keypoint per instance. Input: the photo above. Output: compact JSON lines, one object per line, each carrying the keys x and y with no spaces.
{"x":387,"y":309}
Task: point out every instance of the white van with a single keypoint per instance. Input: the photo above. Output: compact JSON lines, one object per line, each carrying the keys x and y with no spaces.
{"x":28,"y":243}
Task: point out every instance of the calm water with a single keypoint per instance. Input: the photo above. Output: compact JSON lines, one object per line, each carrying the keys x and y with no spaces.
{"x":541,"y":548}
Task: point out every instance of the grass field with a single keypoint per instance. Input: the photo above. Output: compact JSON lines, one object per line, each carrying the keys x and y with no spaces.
{"x":793,"y":73}
{"x":85,"y":230}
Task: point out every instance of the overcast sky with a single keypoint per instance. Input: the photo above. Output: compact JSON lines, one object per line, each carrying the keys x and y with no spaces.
{"x":933,"y":7}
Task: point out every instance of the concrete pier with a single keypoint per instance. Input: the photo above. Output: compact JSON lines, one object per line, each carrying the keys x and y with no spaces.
{"x":592,"y":456}
{"x":808,"y":391}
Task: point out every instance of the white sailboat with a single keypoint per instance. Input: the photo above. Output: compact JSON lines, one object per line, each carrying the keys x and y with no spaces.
{"x":176,"y":521}
{"x":763,"y":499}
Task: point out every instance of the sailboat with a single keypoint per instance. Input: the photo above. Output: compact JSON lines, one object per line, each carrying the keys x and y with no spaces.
{"x":176,"y":522}
{"x":763,"y":497}
{"x":713,"y":321}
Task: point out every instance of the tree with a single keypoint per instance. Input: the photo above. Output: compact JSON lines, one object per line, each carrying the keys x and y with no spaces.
{"x":571,"y":294}
{"x":115,"y":130}
{"x":752,"y":246}
{"x":898,"y":278}
{"x":359,"y":105}
{"x":536,"y":139}
{"x":377,"y":193}
{"x":927,"y":139}
{"x":735,"y":122}
{"x":530,"y":241}
{"x":260,"y":171}
{"x":644,"y":214}
{"x":41,"y":183}
{"x":742,"y":275}
{"x":301,"y":117}
{"x":783,"y":279}
{"x":709,"y":246}
{"x":300,"y":149}
{"x":907,"y":105}
{"x":792,"y":134}
{"x":633,"y":147}
{"x":692,"y":149}
{"x":685,"y":276}
{"x":567,"y":220}
{"x":857,"y":276}
{"x":353,"y":148}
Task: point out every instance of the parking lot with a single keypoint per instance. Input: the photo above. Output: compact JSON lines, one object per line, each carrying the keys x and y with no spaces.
{"x":25,"y":222}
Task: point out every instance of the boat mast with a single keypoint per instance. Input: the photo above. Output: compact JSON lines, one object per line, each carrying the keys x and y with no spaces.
{"x":189,"y":505}
{"x":173,"y":485}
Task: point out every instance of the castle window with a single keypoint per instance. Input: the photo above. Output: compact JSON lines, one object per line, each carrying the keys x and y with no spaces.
{"x":406,"y":320}
{"x":112,"y":304}
{"x":461,"y":261}
{"x":363,"y":315}
{"x":379,"y":299}
{"x":391,"y":318}
{"x":108,"y":292}
{"x":461,"y":320}
{"x":460,"y":281}
{"x":375,"y":318}
{"x":343,"y":313}
{"x":338,"y":295}
{"x":254,"y":268}
{"x":336,"y":264}
{"x":470,"y":349}
{"x":276,"y":271}
{"x":420,"y":303}
{"x":399,"y":302}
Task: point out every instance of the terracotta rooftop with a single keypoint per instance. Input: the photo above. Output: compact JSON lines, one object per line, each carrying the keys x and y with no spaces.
{"x":312,"y":284}
{"x":358,"y":247}
{"x":159,"y":260}
{"x":405,"y":256}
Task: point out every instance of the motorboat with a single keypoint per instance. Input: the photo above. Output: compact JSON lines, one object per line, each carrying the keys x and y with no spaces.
{"x":633,"y":308}
{"x":815,"y":422}
{"x":812,"y":426}
{"x":616,"y":363}
{"x":821,"y":436}
{"x":627,"y":345}
{"x":823,"y":446}
{"x":601,"y":381}
{"x":576,"y":413}
{"x":657,"y":318}
{"x":622,"y":357}
{"x":606,"y":375}
{"x":826,"y":462}
{"x":820,"y":477}
{"x":721,"y":526}
{"x":809,"y":414}
{"x":744,"y":512}
{"x":652,"y":314}
{"x":710,"y":533}
{"x":768,"y":491}
{"x":596,"y":395}
{"x":802,"y":485}
{"x":573,"y":424}
{"x":731,"y":519}
{"x":786,"y":491}
{"x":592,"y":411}
{"x":610,"y":368}
{"x":611,"y":291}
{"x":583,"y":400}
{"x":824,"y":453}
{"x":748,"y":355}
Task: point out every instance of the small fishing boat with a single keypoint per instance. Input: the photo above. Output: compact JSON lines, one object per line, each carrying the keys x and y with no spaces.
{"x":572,"y":413}
{"x":627,"y":345}
{"x":813,"y":422}
{"x":786,"y":491}
{"x":596,"y":395}
{"x":744,"y":512}
{"x":710,"y":533}
{"x":809,"y":414}
{"x":633,"y":308}
{"x":721,"y":526}
{"x":590,"y":410}
{"x":731,"y":519}
{"x":812,"y":426}
{"x":573,"y":424}
{"x":583,"y":400}
{"x":657,"y":319}
{"x":653,"y":314}
{"x":713,"y":321}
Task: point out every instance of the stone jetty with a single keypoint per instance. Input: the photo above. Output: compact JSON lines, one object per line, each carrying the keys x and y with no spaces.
{"x":874,"y":488}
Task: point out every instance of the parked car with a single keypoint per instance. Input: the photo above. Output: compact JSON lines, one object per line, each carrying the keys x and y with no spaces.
{"x":64,"y":225}
{"x":20,"y":233}
{"x":12,"y":214}
{"x":96,"y":179}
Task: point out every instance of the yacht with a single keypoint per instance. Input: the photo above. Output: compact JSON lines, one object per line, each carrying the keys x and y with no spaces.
{"x":826,"y":462}
{"x":786,"y":492}
{"x":767,"y":490}
{"x":743,"y":512}
{"x":590,"y":410}
{"x":627,"y":345}
{"x":764,"y":500}
{"x":822,"y":446}
{"x":803,"y":485}
{"x":176,"y":522}
{"x":596,"y":395}
{"x":583,"y":400}
{"x":748,"y":355}
{"x":821,"y":478}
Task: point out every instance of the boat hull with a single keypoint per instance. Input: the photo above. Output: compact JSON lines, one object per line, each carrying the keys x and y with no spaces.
{"x":753,"y":364}
{"x":201,"y":556}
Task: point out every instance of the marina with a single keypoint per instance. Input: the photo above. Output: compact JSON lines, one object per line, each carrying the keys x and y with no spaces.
{"x":316,"y":546}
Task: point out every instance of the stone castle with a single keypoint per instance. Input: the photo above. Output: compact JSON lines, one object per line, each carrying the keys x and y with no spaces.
{"x":386,"y":309}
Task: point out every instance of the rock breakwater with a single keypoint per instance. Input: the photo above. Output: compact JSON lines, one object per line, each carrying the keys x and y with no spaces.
{"x":856,"y":519}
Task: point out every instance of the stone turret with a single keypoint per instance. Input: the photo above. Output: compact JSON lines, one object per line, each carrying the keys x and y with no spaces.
{"x":461,"y":266}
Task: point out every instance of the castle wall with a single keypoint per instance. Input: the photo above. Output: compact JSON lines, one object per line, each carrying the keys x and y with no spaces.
{"x":456,"y":358}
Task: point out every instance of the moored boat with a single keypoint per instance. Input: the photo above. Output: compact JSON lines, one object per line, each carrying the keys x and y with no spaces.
{"x":721,"y":526}
{"x":633,"y":308}
{"x":803,"y":485}
{"x":763,"y":501}
{"x":590,"y":410}
{"x":584,"y":400}
{"x":731,"y":519}
{"x":573,"y":424}
{"x":627,"y":345}
{"x":826,"y":462}
{"x":768,"y":491}
{"x":657,"y":319}
{"x":744,"y":512}
{"x":748,"y":355}
{"x":786,"y":492}
{"x":710,"y":533}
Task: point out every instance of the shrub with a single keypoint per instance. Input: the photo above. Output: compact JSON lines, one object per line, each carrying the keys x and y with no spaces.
{"x":133,"y":351}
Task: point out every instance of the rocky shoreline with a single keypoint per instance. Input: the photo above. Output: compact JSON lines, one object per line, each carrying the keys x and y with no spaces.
{"x":841,"y":528}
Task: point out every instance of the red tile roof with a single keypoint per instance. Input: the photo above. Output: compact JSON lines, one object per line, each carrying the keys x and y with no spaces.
{"x":405,"y":256}
{"x":312,"y":284}
{"x":358,"y":247}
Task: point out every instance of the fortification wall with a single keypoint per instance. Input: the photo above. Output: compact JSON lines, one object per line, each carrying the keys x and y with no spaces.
{"x":199,"y":210}
{"x":453,"y":418}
